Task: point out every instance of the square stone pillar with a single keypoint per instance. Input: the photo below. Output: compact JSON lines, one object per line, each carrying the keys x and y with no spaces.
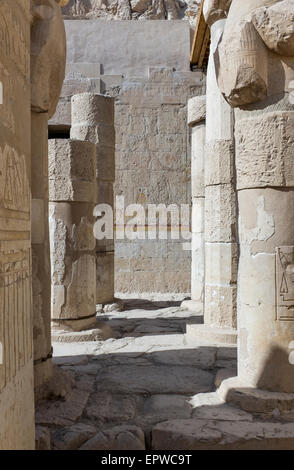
{"x":196,"y":121}
{"x":93,"y":120}
{"x":41,"y":250}
{"x":220,"y":209}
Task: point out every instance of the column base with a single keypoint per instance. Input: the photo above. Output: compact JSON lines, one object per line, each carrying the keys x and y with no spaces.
{"x":98,"y":331}
{"x":210,"y":334}
{"x":218,"y":426}
{"x":255,"y":400}
{"x":194,"y":306}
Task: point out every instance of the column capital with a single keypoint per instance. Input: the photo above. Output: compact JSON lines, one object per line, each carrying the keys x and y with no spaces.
{"x":214,"y":10}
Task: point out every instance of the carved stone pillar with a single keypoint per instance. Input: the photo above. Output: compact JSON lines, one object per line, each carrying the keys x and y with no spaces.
{"x":72,"y":193}
{"x":93,"y":120}
{"x":196,"y":121}
{"x":16,"y":330}
{"x":220,"y":202}
{"x":256,"y":72}
{"x":48,"y":56}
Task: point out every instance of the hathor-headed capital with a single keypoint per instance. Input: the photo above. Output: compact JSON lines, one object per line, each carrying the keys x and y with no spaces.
{"x":214,"y":10}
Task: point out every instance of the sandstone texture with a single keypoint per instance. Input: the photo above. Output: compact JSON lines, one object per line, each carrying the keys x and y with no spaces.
{"x":133,"y":9}
{"x":152,"y":152}
{"x":254,"y":78}
{"x":72,"y":191}
{"x":93,"y":121}
{"x":16,"y":335}
{"x":47,"y":72}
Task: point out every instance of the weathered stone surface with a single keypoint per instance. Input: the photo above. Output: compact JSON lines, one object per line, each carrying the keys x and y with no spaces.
{"x":72,"y":437}
{"x":48,"y":55}
{"x":222,"y":263}
{"x":215,"y":10}
{"x":62,"y":413}
{"x":211,"y":406}
{"x":199,"y":434}
{"x":150,"y":379}
{"x":16,"y":368}
{"x":274,"y":23}
{"x":72,"y":170}
{"x":256,"y":39}
{"x":43,"y":439}
{"x":47,"y":71}
{"x":223,"y":374}
{"x":117,"y":438}
{"x":134,"y":10}
{"x":203,"y":357}
{"x":271,"y":137}
{"x":93,"y":120}
{"x":208,"y":334}
{"x":243,"y":51}
{"x":72,"y":191}
{"x":106,"y":407}
{"x":196,"y":110}
{"x":158,"y":407}
{"x":220,"y":166}
{"x":150,"y":101}
{"x":220,"y":214}
{"x":221,"y":305}
{"x":255,"y":400}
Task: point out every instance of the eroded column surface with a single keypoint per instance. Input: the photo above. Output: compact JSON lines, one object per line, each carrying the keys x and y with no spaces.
{"x":221,"y":253}
{"x":196,"y":121}
{"x":258,"y":46}
{"x":72,"y":193}
{"x":93,"y":120}
{"x":48,"y":56}
{"x":16,"y":329}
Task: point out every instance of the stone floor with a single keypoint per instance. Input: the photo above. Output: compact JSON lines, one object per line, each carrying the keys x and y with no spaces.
{"x":146,"y":387}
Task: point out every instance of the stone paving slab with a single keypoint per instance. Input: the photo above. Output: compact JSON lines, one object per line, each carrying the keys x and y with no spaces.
{"x":220,"y":434}
{"x":155,"y":379}
{"x":126,"y":385}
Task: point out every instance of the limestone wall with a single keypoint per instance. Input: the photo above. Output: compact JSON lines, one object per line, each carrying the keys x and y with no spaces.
{"x":146,"y":67}
{"x":16,"y":370}
{"x":153,"y":166}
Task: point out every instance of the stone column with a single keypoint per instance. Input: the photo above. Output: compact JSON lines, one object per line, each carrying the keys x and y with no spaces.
{"x":221,"y":251}
{"x":72,"y":193}
{"x":48,"y":56}
{"x":93,"y":120}
{"x":264,"y":133}
{"x":17,"y":430}
{"x":41,"y":249}
{"x":196,"y":121}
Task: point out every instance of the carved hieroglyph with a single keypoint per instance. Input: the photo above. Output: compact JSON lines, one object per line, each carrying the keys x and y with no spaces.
{"x":285,"y":282}
{"x":16,"y":371}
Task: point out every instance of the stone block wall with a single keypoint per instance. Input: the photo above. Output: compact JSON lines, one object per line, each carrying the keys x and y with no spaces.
{"x":145,"y":66}
{"x":153,"y":166}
